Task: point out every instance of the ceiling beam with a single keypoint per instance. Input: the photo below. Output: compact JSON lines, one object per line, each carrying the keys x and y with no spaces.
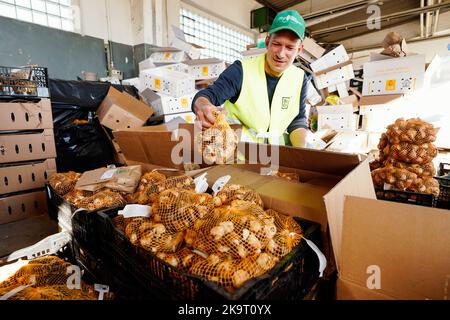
{"x":403,"y":14}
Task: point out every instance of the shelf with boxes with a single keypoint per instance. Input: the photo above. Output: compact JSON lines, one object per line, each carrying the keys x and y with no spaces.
{"x":27,"y":158}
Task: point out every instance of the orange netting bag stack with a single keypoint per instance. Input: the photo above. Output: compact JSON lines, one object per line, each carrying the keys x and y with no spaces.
{"x":406,"y":155}
{"x":218,"y":143}
{"x":46,"y":279}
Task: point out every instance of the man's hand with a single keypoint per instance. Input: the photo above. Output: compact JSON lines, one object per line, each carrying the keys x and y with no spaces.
{"x":298,"y":138}
{"x":204,"y":111}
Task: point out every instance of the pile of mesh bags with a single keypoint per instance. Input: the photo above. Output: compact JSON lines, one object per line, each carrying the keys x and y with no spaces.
{"x":406,"y":157}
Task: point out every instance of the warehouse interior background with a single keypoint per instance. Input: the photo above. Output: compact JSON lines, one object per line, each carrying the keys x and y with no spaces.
{"x":98,"y":97}
{"x":132,"y":27}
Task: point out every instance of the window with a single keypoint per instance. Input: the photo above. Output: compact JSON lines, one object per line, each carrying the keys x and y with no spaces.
{"x":218,"y":40}
{"x":51,"y":13}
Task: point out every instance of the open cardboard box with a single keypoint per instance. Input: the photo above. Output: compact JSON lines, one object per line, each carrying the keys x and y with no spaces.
{"x":120,"y":110}
{"x":409,"y":243}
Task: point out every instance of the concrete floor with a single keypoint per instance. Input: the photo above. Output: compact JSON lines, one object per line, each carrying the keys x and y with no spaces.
{"x":24,"y":233}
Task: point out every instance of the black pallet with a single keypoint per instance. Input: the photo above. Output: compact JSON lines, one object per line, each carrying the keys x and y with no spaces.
{"x":420,"y":199}
{"x":23,"y":82}
{"x":291,"y":279}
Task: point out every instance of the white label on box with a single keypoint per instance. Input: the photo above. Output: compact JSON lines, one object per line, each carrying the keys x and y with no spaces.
{"x":42,"y":92}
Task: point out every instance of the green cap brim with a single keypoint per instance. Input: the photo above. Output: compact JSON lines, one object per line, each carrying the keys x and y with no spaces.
{"x":287,"y":28}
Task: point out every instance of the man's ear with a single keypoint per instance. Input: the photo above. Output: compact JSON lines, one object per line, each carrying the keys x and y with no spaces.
{"x":300,"y":49}
{"x":267,"y":41}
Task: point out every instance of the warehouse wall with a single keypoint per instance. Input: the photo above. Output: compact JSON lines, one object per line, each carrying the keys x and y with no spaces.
{"x":134,"y":27}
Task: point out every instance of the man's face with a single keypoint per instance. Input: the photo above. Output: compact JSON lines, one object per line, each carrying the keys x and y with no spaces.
{"x":282,"y":48}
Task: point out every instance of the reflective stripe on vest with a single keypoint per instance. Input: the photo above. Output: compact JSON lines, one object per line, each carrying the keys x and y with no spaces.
{"x":252,"y":108}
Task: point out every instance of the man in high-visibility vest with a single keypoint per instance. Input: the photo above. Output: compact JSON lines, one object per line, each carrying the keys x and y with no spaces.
{"x":265,"y":94}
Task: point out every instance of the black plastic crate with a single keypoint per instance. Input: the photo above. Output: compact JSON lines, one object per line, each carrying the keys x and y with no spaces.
{"x":24,"y":82}
{"x":444,"y":186}
{"x":420,"y":199}
{"x":80,"y":223}
{"x":291,"y":279}
{"x":101,"y":270}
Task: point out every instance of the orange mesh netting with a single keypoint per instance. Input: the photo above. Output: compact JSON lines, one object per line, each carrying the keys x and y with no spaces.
{"x":422,"y":170}
{"x":236,"y":192}
{"x":76,"y":196}
{"x":413,"y":131}
{"x":63,"y":183}
{"x":218,"y":143}
{"x":398,"y":178}
{"x":152,"y":236}
{"x":412,"y":153}
{"x":153,"y":183}
{"x":101,"y":200}
{"x":426,"y":185}
{"x":48,"y":278}
{"x":179,"y":209}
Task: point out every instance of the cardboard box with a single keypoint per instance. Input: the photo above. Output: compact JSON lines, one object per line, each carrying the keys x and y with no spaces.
{"x":119,"y":110}
{"x":350,"y":142}
{"x":189,"y":117}
{"x":193,"y":51}
{"x":27,"y":147}
{"x":339,"y":118}
{"x":22,"y":206}
{"x":26,"y":115}
{"x":311,"y":50}
{"x":136,"y":82}
{"x":170,"y":82}
{"x":146,"y":64}
{"x":332,"y":69}
{"x":165,"y":105}
{"x":394,"y":76}
{"x":353,"y":100}
{"x":167,"y":55}
{"x":394,"y":251}
{"x":203,"y":69}
{"x":378,"y":112}
{"x":26,"y":176}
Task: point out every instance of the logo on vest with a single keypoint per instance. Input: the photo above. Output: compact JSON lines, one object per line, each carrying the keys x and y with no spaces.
{"x":285,"y":103}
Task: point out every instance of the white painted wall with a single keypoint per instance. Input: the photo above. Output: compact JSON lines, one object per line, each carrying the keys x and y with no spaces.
{"x":134,"y":22}
{"x":94,"y":21}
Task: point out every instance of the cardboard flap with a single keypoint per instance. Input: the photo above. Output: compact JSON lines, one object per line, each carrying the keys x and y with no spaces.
{"x":306,"y":159}
{"x":409,"y":244}
{"x":297,"y":199}
{"x":377,"y":100}
{"x":356,"y":183}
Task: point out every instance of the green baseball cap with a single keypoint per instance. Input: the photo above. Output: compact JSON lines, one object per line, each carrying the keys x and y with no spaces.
{"x":289,"y":20}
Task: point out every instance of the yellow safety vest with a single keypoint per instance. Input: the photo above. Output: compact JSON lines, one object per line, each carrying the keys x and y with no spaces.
{"x":262,"y":122}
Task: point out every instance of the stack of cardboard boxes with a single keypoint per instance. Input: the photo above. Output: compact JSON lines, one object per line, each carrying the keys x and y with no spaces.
{"x":169,"y":78}
{"x":27,"y":158}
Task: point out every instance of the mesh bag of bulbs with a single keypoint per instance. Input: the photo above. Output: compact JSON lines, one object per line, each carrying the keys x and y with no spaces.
{"x":227,"y":239}
{"x":45,"y":278}
{"x":218,"y":143}
{"x":64,"y":185}
{"x":406,"y":155}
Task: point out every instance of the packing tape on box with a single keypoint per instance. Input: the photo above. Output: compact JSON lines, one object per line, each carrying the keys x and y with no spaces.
{"x":320,"y":256}
{"x":136,"y":211}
